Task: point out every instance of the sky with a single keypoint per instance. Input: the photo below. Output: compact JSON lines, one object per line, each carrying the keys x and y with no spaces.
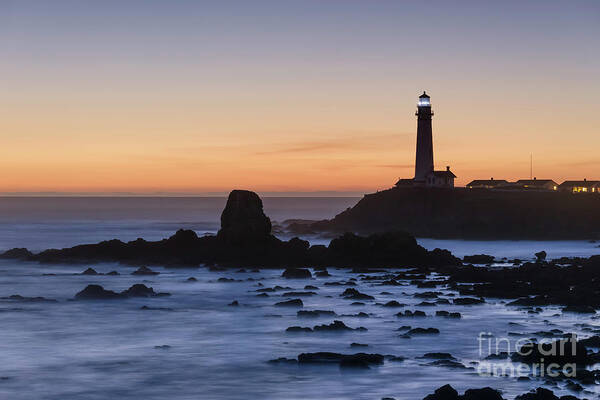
{"x":201,"y":97}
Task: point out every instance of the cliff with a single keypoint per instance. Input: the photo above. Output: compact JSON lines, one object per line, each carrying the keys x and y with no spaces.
{"x":472,"y":214}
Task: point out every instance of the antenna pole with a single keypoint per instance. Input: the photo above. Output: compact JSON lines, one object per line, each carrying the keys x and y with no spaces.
{"x":531,"y":166}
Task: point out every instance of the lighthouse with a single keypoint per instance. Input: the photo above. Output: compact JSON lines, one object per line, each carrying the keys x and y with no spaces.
{"x":424,"y":161}
{"x":425,"y":175}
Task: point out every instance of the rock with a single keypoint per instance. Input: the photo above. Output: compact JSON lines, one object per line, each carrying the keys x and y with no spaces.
{"x":393,"y":303}
{"x":438,"y":356}
{"x":296,"y":273}
{"x":140,"y":290}
{"x":359,"y":359}
{"x":541,"y":256}
{"x":336,"y":326}
{"x":562,"y":351}
{"x":243,"y":221}
{"x":479,"y":259}
{"x":191,"y":279}
{"x":96,"y":292}
{"x":580,"y":309}
{"x":593,"y":341}
{"x":298,"y":329}
{"x":89,"y":271}
{"x":445,"y":392}
{"x":481,"y":394}
{"x":423,"y":331}
{"x":310,"y":287}
{"x":353,"y":294}
{"x":290,"y":303}
{"x":464,"y":301}
{"x":539,"y":394}
{"x":314,"y":313}
{"x":17,"y":254}
{"x":358,"y":345}
{"x":234,"y":303}
{"x":447,"y":314}
{"x":144,"y":271}
{"x":411,"y":314}
{"x":322,"y":274}
{"x":113,"y":273}
{"x":298,"y":294}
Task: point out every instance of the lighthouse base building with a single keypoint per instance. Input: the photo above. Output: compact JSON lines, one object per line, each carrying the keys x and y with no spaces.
{"x":425,"y":175}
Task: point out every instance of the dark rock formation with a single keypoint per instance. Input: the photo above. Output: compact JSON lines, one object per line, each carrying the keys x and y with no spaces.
{"x":296,"y":273}
{"x":97,"y":292}
{"x":17,"y":254}
{"x":290,"y":303}
{"x":362,"y":360}
{"x":471,"y":213}
{"x":144,"y":271}
{"x":243,"y":221}
{"x":479,"y":259}
{"x":244,"y":238}
{"x":315,"y":313}
{"x":89,"y":271}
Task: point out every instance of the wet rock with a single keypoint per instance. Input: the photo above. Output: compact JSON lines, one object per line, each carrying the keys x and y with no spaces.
{"x":393,"y":303}
{"x":541,"y":256}
{"x":350,"y":360}
{"x":447,"y":314}
{"x":296,"y":273}
{"x":234,"y":303}
{"x":423,"y":331}
{"x":141,"y":290}
{"x":322,"y":274}
{"x":593,"y":341}
{"x":426,"y":304}
{"x":192,"y":279}
{"x":113,"y":273}
{"x":144,"y":271}
{"x":445,"y":392}
{"x":315,"y":313}
{"x":411,"y":314}
{"x":243,"y":221}
{"x":538,"y":394}
{"x":290,"y":303}
{"x":481,"y":394}
{"x":163,"y":347}
{"x":262,"y":295}
{"x":96,"y":292}
{"x":298,"y":329}
{"x":465,"y":301}
{"x":479,"y":259}
{"x":17,"y":254}
{"x":89,"y":271}
{"x":358,"y":345}
{"x":438,"y":356}
{"x":336,"y":326}
{"x":310,"y":287}
{"x":580,"y":309}
{"x":562,"y":351}
{"x":147,"y":308}
{"x":353,"y":294}
{"x":298,"y":294}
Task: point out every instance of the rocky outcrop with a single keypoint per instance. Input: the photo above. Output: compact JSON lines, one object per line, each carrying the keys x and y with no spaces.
{"x":471,"y":213}
{"x":97,"y":292}
{"x":243,"y":221}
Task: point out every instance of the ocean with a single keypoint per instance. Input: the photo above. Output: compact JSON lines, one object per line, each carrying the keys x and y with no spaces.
{"x":193,"y":345}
